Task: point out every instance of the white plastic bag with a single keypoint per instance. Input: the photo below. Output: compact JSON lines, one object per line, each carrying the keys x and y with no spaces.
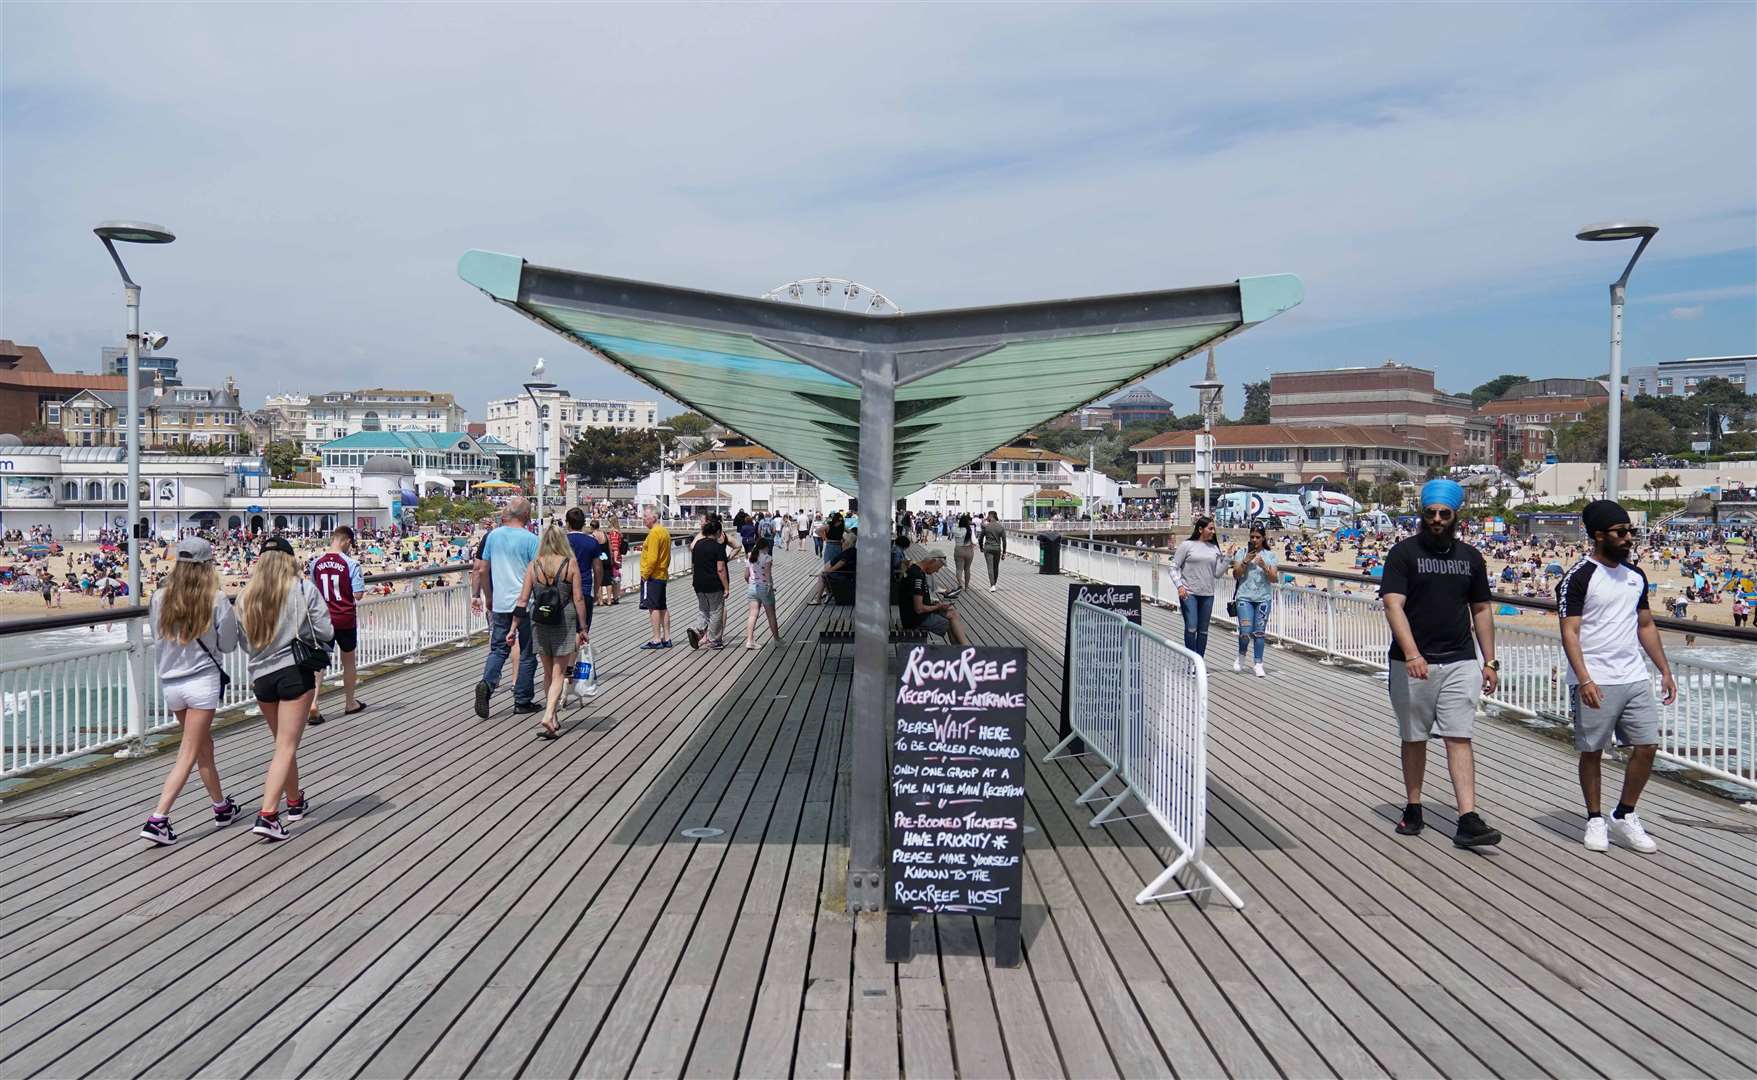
{"x":585,"y":675}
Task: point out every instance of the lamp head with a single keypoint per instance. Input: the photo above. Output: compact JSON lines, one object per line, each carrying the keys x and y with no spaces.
{"x":1617,"y":230}
{"x":134,"y":232}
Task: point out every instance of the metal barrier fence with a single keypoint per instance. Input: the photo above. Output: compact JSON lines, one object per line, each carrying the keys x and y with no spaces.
{"x":108,"y":696}
{"x":1140,"y":702}
{"x":1711,"y":727}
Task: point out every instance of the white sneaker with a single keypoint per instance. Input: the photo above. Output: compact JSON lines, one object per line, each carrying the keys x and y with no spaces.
{"x":1627,"y":832}
{"x":1258,"y":668}
{"x":1596,"y":835}
{"x":1238,"y":663}
{"x":994,"y":588}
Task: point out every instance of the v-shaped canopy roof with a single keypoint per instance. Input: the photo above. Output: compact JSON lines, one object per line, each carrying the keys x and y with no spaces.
{"x":789,"y":376}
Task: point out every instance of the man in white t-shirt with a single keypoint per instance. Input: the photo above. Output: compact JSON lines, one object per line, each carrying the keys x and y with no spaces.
{"x":1606,"y":628}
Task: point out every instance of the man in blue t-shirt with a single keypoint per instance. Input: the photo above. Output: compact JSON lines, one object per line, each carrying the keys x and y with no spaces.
{"x":593,"y":560}
{"x":499,"y":575}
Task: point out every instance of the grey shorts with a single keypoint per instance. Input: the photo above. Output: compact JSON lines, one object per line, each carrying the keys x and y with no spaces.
{"x":1443,"y":705}
{"x":1629,"y":712}
{"x":935,"y":623}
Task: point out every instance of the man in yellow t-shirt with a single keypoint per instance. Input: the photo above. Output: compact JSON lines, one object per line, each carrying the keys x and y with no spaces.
{"x":655,"y":573}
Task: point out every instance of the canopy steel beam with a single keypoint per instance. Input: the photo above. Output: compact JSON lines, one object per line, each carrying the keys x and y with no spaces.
{"x":869,"y":801}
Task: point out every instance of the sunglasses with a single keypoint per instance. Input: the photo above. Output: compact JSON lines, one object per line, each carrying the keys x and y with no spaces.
{"x":1623,"y":530}
{"x":1439,"y":513}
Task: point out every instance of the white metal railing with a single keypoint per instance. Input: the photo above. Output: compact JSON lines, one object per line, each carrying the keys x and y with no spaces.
{"x":83,"y":702}
{"x":1139,"y":702}
{"x":1712,"y":726}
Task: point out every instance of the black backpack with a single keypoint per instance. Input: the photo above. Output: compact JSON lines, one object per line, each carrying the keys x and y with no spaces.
{"x":549,"y":601}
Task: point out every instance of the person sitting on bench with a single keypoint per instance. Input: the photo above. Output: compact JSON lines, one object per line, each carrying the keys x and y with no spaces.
{"x":837,"y":576}
{"x":917,"y":607}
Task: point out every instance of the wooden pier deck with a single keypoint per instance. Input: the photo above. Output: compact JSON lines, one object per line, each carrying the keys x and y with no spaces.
{"x":468,"y":900}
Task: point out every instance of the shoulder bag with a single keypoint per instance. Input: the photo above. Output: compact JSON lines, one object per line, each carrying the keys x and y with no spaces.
{"x":308,"y":655}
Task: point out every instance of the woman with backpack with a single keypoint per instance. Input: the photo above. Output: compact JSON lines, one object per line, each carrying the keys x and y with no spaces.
{"x":193,"y":626}
{"x":994,"y":547}
{"x":551,"y":599}
{"x":759,"y":577}
{"x":287,"y":633}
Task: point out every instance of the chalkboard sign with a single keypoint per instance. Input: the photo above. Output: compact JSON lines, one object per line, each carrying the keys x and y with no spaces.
{"x":958,"y":790}
{"x":1125,"y":599}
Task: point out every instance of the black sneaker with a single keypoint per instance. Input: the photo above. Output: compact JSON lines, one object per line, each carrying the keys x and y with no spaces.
{"x":269,"y":827}
{"x":526,"y":707}
{"x":1473,"y":831}
{"x":695,"y":637}
{"x":482,"y":692}
{"x":159,"y":832}
{"x":298,"y":808}
{"x":1410,"y":824}
{"x":226,"y":812}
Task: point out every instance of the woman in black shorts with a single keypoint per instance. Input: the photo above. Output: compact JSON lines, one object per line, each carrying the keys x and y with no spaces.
{"x":276,"y":607}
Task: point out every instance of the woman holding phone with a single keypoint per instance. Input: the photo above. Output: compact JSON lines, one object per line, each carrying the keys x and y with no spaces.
{"x":1254,"y":569}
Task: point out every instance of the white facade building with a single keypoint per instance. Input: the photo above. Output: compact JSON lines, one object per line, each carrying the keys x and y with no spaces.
{"x":315,"y":419}
{"x":445,"y":462}
{"x":77,"y":491}
{"x":513,"y":420}
{"x":1015,"y":481}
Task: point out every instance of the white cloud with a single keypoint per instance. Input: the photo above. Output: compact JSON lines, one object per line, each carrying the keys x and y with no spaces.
{"x":324,"y":167}
{"x":1687,"y":313}
{"x":1723,"y":292}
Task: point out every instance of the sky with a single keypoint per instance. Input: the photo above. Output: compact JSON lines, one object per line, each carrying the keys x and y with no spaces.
{"x":1422,"y":168}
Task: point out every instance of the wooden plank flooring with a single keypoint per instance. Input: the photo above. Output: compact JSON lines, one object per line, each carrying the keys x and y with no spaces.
{"x":469,"y":900}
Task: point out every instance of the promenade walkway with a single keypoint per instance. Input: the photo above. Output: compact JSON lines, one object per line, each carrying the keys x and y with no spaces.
{"x":469,"y":900}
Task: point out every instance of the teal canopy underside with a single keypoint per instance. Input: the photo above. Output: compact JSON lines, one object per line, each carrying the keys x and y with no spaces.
{"x":744,"y":362}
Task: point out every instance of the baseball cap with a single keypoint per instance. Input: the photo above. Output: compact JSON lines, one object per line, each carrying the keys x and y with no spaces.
{"x":195,"y":549}
{"x":278,"y":543}
{"x":932,"y":553}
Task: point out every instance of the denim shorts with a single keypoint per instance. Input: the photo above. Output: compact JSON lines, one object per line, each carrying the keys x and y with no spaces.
{"x":762,"y":594}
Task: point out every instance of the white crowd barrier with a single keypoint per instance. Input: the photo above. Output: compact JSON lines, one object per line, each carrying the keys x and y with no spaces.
{"x":1139,"y":702}
{"x":1711,"y":727}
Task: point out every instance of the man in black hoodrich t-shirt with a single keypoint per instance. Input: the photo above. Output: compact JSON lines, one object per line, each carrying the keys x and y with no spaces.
{"x":1436,"y":593}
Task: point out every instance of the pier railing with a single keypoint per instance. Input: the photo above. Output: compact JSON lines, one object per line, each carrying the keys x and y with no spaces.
{"x":1711,"y":727}
{"x":108,"y":698}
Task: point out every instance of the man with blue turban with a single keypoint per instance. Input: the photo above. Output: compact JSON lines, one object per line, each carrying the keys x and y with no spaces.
{"x":1436,"y":593}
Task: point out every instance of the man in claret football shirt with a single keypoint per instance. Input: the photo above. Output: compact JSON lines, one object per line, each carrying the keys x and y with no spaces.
{"x":339,"y":581}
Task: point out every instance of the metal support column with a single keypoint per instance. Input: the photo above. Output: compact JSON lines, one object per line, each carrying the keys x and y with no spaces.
{"x":873,"y":705}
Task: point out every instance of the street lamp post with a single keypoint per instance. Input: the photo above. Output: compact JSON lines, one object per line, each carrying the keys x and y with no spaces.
{"x":133,"y":232}
{"x":542,"y":438}
{"x":1625,"y":230}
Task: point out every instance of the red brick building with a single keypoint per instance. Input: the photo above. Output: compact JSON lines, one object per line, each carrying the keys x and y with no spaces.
{"x":27,"y":384}
{"x":1391,"y":395}
{"x":1525,"y":418}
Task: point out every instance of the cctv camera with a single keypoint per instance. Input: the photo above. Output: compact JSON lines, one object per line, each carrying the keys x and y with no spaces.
{"x":153,"y":339}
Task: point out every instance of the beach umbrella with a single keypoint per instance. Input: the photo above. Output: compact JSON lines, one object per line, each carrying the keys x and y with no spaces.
{"x":1554,"y":568}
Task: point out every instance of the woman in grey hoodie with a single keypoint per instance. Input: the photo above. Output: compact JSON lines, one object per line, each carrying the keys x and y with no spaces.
{"x":1195,"y":567}
{"x":193,"y":626}
{"x":277,"y":606}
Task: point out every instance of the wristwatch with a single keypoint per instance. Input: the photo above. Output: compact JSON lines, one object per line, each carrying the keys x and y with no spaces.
{"x":1493,"y":665}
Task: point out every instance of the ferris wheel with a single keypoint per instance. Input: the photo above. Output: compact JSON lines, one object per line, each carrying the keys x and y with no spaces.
{"x":834,"y":292}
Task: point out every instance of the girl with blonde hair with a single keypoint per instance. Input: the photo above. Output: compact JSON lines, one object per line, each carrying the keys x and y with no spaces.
{"x":284,"y":621}
{"x":551,"y":599}
{"x":193,"y":626}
